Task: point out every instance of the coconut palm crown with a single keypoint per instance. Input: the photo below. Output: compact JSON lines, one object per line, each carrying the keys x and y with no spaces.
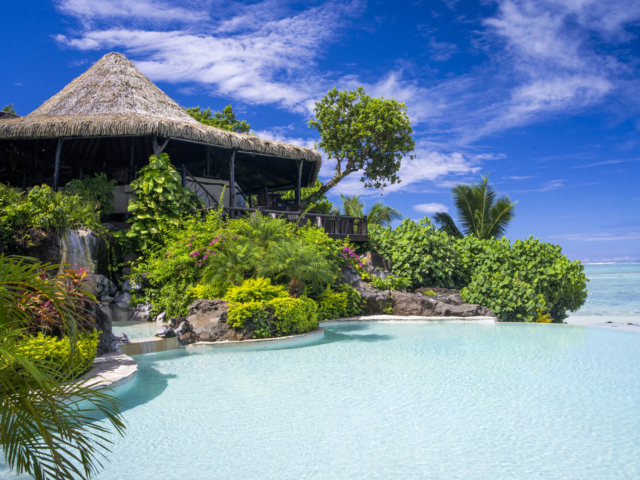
{"x":481,"y":213}
{"x":378,"y":214}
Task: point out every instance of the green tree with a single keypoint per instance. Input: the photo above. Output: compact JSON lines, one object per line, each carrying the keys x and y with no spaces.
{"x":378,"y":214}
{"x":225,"y":120}
{"x":46,"y":420}
{"x":9,"y":109}
{"x":362,"y":133}
{"x":482,"y":214}
{"x":321,"y":204}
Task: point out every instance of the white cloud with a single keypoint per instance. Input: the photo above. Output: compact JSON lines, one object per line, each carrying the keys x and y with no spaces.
{"x":146,"y":10}
{"x":430,"y":208}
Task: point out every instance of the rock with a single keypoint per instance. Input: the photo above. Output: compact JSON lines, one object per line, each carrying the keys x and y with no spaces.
{"x":106,"y":339}
{"x":131,"y":286}
{"x":209,"y":321}
{"x":375,"y":301}
{"x":122,"y":301}
{"x":351,"y":277}
{"x":165,"y":331}
{"x":184,"y":327}
{"x":97,"y":284}
{"x":129,"y":258}
{"x":188,"y":338}
{"x":409,"y":304}
{"x":376,"y":261}
{"x":161,"y":317}
{"x":143,"y":312}
{"x":126,"y":270}
{"x":106,"y":299}
{"x":122,"y":338}
{"x":176,"y":321}
{"x":112,"y":289}
{"x":46,"y":247}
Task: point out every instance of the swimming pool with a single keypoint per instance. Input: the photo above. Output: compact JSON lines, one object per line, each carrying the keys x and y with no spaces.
{"x":391,"y":400}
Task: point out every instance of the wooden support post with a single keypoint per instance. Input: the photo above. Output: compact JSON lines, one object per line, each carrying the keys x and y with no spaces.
{"x":56,"y":168}
{"x":80,"y":173}
{"x":232,"y":180}
{"x":157,"y":147}
{"x":184,"y":176}
{"x":299,"y":185}
{"x":208,"y":163}
{"x":267,"y":203}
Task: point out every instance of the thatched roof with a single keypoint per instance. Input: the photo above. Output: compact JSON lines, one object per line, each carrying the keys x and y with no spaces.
{"x":4,"y":115}
{"x":113,"y":98}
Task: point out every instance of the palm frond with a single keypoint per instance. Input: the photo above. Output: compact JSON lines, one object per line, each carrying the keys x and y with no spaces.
{"x":467,"y":204}
{"x":352,"y":205}
{"x":500,"y":215}
{"x":446,"y":224}
{"x":381,"y":214}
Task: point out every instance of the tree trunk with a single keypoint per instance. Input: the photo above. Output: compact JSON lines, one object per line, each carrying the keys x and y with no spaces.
{"x":325,"y":188}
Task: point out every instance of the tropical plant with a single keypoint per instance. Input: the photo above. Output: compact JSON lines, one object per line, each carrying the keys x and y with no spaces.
{"x":481,"y":212}
{"x":361,"y":133}
{"x":263,"y":230}
{"x":47,"y":426}
{"x":297,"y":262}
{"x":320,"y":205}
{"x":378,"y":214}
{"x":225,"y":120}
{"x":9,"y":109}
{"x":159,"y":200}
{"x":234,"y":262}
{"x":97,"y":191}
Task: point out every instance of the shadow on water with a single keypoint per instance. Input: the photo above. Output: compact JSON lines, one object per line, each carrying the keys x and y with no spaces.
{"x":344,"y":333}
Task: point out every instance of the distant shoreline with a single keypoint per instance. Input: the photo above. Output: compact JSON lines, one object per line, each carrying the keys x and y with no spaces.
{"x":613,"y":263}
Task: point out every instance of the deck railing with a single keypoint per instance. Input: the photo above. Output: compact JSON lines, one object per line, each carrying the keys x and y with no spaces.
{"x":335,"y":226}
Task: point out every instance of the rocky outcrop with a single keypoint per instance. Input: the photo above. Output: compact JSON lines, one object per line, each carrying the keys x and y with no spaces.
{"x":165,"y":331}
{"x":107,"y":341}
{"x":377,"y":264}
{"x":375,"y":301}
{"x":209,"y":321}
{"x":410,"y":304}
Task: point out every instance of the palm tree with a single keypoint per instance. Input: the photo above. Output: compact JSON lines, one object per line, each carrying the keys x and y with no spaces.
{"x":481,"y":213}
{"x":47,"y":426}
{"x":9,"y":109}
{"x":378,"y":214}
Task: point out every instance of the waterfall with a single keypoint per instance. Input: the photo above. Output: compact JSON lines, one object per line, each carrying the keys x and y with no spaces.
{"x":76,"y":248}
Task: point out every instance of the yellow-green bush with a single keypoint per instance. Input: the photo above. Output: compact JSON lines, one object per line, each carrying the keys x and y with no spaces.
{"x":331,"y":304}
{"x":255,"y":290}
{"x":239,"y":313}
{"x":58,"y":352}
{"x":295,"y":315}
{"x":206,"y":292}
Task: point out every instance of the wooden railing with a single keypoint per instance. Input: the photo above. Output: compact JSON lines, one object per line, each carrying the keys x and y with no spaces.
{"x":335,"y":226}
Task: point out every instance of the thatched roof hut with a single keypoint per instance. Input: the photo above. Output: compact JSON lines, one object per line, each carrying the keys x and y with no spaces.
{"x":112,"y":118}
{"x":7,"y":115}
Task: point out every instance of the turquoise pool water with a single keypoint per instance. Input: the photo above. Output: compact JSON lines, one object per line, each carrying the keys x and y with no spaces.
{"x":391,"y":400}
{"x":136,"y":330}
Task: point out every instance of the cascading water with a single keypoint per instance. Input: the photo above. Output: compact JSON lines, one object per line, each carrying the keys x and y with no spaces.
{"x":76,"y":249}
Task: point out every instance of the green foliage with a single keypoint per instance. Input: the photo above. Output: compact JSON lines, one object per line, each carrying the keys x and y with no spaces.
{"x":58,"y":352}
{"x":355,"y":302}
{"x":540,"y":265}
{"x":295,"y":315}
{"x":482,"y":213}
{"x":418,"y":251}
{"x":225,"y":120}
{"x":362,"y":133}
{"x":42,"y":209}
{"x":241,"y":313}
{"x":96,"y":191}
{"x":255,"y":290}
{"x":9,"y":109}
{"x":391,"y":282}
{"x":511,"y":299}
{"x":206,"y":292}
{"x":331,"y":304}
{"x":159,"y":200}
{"x":233,"y":262}
{"x":47,"y":426}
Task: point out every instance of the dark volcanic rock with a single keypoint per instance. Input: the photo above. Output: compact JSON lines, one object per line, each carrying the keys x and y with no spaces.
{"x":122,"y":337}
{"x":375,"y":301}
{"x":376,"y":260}
{"x":405,"y":304}
{"x":46,"y":247}
{"x":106,"y":339}
{"x":165,"y":332}
{"x":209,"y":321}
{"x":188,"y":338}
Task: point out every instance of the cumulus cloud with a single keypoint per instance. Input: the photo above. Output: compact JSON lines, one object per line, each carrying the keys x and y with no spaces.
{"x":431,"y":208}
{"x":599,"y":237}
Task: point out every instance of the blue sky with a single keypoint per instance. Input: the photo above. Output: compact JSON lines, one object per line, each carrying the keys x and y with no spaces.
{"x":542,"y":95}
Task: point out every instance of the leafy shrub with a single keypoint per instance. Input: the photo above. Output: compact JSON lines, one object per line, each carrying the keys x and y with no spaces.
{"x":418,"y":251}
{"x":511,"y":299}
{"x":42,"y":209}
{"x":355,"y":302}
{"x":391,"y":282}
{"x":255,"y":290}
{"x":295,"y":315}
{"x":561,"y":283}
{"x":331,"y":304}
{"x":200,"y":291}
{"x":96,"y":191}
{"x":58,"y":352}
{"x":159,"y":200}
{"x":240,"y":313}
